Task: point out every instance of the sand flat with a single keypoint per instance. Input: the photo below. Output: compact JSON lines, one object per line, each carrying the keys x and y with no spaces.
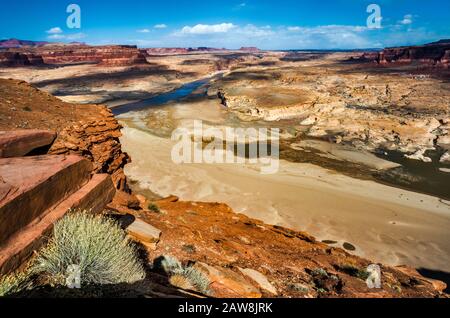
{"x":386,"y":224}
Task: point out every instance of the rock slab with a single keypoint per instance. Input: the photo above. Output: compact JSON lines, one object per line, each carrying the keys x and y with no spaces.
{"x":19,"y":143}
{"x":144,"y":232}
{"x":32,"y":185}
{"x":260,"y":279}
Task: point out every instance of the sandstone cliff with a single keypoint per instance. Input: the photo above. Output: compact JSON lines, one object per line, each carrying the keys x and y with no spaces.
{"x":113,"y":55}
{"x":433,"y":54}
{"x":11,"y":59}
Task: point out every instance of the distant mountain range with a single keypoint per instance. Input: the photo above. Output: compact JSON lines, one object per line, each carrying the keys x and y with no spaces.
{"x":16,"y":43}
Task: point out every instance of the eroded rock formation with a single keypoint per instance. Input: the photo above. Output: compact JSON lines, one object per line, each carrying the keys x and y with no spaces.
{"x":113,"y":55}
{"x":433,"y":54}
{"x":90,"y":131}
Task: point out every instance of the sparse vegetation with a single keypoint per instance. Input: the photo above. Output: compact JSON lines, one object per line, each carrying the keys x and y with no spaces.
{"x":94,"y":243}
{"x":171,"y":266}
{"x":154,"y":208}
{"x":15,"y":283}
{"x":185,"y":277}
{"x":299,"y":288}
{"x":354,"y":271}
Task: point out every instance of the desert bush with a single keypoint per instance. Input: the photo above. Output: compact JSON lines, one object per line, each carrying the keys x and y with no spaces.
{"x":15,"y":283}
{"x":97,"y":245}
{"x":154,"y":208}
{"x":171,"y":266}
{"x":185,"y":277}
{"x":199,"y":280}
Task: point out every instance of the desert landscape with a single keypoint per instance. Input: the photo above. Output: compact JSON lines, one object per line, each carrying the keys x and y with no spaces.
{"x":94,"y":204}
{"x":355,"y":130}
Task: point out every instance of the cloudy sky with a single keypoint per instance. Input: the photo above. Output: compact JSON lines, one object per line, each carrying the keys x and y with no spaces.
{"x":267,"y":24}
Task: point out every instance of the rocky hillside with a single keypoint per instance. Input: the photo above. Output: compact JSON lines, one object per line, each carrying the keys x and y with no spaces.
{"x":239,"y":256}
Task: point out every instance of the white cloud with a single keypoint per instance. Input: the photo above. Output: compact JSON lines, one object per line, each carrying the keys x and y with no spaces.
{"x":294,"y":29}
{"x":55,"y":30}
{"x":160,"y":26}
{"x":68,"y":37}
{"x":143,"y":31}
{"x":407,"y":19}
{"x":251,"y":30}
{"x":240,"y":6}
{"x":208,"y":28}
{"x":233,"y":36}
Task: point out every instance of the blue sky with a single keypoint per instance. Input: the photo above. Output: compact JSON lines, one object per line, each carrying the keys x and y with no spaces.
{"x":268,"y":24}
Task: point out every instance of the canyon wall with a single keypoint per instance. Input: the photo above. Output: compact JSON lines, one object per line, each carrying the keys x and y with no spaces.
{"x":114,"y":55}
{"x":12,"y":59}
{"x":433,"y":54}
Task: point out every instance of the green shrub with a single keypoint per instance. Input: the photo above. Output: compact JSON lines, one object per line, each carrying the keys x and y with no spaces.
{"x":97,"y":245}
{"x":171,"y":266}
{"x":199,"y":280}
{"x":354,"y":271}
{"x":154,"y":208}
{"x":185,"y":276}
{"x":15,"y":283}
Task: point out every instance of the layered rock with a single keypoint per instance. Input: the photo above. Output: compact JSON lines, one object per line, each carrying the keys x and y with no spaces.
{"x":90,"y":131}
{"x":387,"y":111}
{"x":21,"y":142}
{"x":98,"y":141}
{"x":16,"y":43}
{"x":13,"y":59}
{"x":433,"y":54}
{"x":113,"y":55}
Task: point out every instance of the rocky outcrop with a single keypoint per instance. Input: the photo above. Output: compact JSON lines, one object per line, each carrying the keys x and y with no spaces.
{"x":353,"y":107}
{"x":433,"y":54}
{"x":181,"y":50}
{"x":98,"y":141}
{"x":21,"y":142}
{"x":35,"y":184}
{"x":114,"y":55}
{"x":90,"y":131}
{"x":243,"y":257}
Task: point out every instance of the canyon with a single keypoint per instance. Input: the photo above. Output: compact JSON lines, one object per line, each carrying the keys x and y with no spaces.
{"x":227,"y":241}
{"x":341,"y":116}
